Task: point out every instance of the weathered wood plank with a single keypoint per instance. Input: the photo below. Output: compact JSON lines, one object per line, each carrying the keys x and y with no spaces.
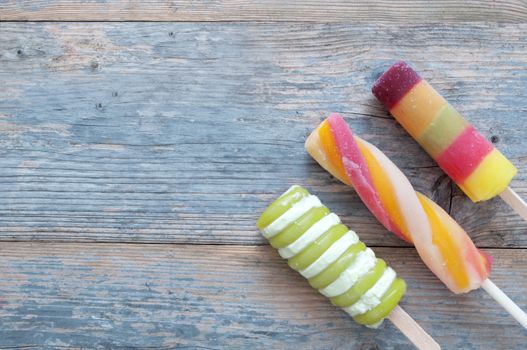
{"x":130,"y":295}
{"x":184,"y":132}
{"x":236,"y":10}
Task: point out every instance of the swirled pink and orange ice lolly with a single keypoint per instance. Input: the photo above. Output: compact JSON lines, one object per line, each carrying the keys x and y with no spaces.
{"x":442,"y":244}
{"x":472,"y":162}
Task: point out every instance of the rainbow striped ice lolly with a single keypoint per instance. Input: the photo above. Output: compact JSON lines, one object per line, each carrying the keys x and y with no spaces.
{"x":472,"y":162}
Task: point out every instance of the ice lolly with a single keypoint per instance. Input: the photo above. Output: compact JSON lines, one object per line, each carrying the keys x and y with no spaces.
{"x":334,"y":261}
{"x":441,"y":243}
{"x":472,"y":162}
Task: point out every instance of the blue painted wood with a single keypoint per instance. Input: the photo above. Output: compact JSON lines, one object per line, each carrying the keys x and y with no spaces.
{"x":102,"y":296}
{"x":121,"y":133}
{"x":183,"y":132}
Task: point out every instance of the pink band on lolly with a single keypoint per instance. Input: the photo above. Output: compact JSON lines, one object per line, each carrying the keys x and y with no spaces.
{"x":462,"y":157}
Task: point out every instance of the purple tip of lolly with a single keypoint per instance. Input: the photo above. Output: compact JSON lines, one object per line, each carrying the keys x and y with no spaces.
{"x":395,"y":83}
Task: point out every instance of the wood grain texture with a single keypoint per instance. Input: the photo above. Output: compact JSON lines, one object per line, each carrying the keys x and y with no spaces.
{"x":176,"y":296}
{"x":185,"y":132}
{"x":406,"y":11}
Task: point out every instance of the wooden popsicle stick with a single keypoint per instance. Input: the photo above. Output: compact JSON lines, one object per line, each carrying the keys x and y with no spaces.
{"x":412,"y":330}
{"x":497,"y":294}
{"x":515,"y":202}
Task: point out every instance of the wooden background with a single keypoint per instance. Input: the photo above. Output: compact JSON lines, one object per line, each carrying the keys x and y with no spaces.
{"x":140,"y":140}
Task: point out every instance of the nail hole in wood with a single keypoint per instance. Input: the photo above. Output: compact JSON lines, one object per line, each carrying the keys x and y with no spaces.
{"x":369,"y":346}
{"x":494,"y":139}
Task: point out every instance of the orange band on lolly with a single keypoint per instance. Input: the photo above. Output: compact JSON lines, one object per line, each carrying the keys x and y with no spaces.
{"x":330,"y":148}
{"x":416,"y":110}
{"x":443,"y":241}
{"x":384,"y":189}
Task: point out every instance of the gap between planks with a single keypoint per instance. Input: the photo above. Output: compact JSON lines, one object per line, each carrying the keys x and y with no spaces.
{"x":204,"y":245}
{"x":253,"y":10}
